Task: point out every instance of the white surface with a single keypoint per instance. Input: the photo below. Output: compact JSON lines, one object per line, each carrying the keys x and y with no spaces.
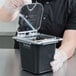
{"x":10,"y":65}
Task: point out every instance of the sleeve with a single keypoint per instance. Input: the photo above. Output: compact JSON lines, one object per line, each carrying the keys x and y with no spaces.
{"x":71,"y":23}
{"x":2,"y":2}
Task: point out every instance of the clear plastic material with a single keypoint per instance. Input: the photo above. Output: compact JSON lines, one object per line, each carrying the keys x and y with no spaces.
{"x":31,"y":17}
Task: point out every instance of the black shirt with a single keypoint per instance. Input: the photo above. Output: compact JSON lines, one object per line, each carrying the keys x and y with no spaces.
{"x":59,"y":16}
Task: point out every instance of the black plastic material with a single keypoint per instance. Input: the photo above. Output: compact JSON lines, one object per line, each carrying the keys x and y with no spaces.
{"x":36,"y":58}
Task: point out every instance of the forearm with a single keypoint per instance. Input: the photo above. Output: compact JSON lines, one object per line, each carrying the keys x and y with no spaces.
{"x":69,"y":42}
{"x":65,"y":51}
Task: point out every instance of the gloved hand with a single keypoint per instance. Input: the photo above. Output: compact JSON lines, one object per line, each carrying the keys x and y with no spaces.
{"x":12,"y":5}
{"x":19,"y":3}
{"x":27,"y":2}
{"x":59,"y":58}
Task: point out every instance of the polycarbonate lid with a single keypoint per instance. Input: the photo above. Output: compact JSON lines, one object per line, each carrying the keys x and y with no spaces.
{"x":31,"y":16}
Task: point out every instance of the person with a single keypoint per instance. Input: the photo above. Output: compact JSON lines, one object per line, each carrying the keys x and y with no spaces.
{"x":59,"y":19}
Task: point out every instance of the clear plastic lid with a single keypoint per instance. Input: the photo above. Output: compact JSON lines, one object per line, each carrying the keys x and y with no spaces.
{"x":31,"y":16}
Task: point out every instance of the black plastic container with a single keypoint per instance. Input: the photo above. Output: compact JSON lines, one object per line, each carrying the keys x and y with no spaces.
{"x":37,"y":50}
{"x":36,"y":58}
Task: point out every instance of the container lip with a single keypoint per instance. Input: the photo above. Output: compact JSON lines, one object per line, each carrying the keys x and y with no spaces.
{"x":30,"y":40}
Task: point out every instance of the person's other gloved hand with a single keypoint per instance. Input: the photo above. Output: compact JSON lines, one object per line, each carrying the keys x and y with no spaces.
{"x":59,"y":58}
